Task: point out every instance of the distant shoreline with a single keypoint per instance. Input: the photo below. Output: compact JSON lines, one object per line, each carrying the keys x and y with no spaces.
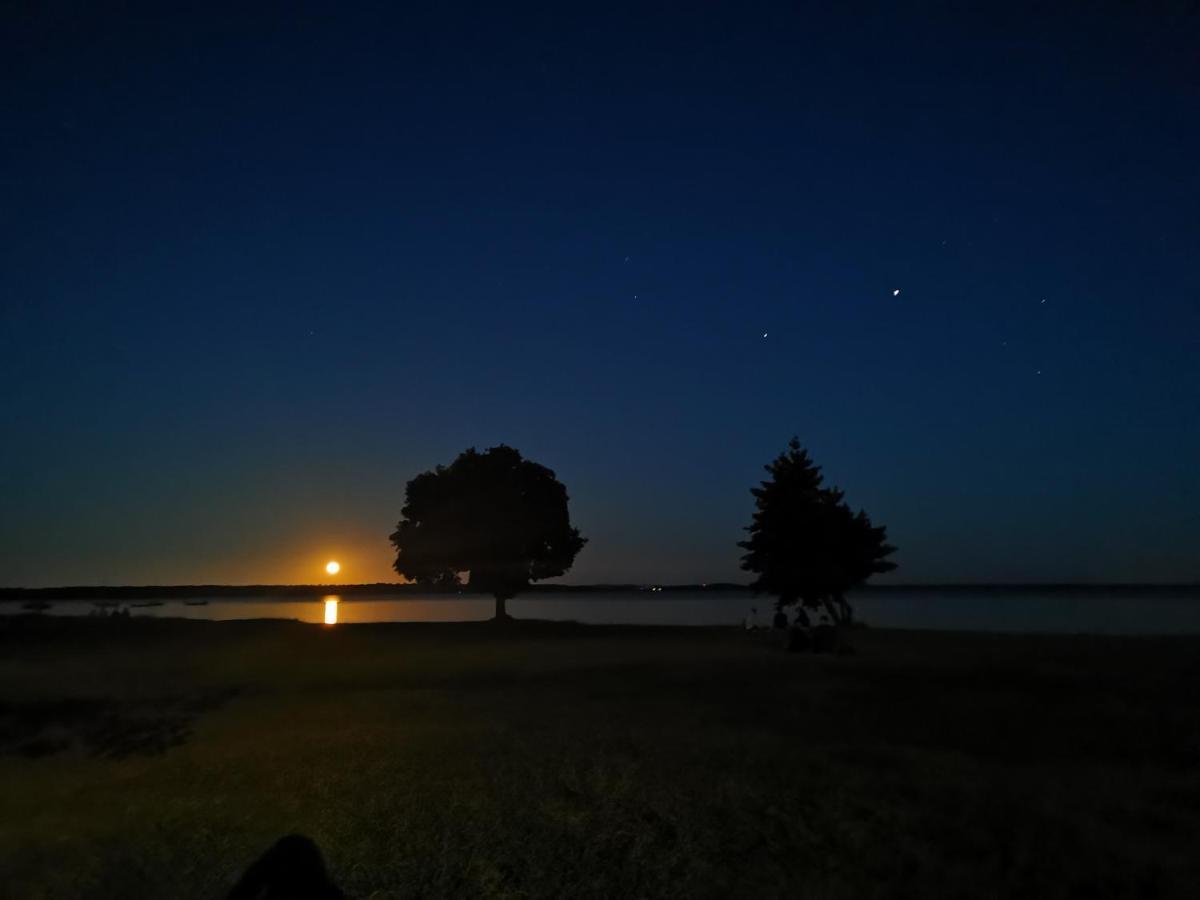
{"x":135,"y":592}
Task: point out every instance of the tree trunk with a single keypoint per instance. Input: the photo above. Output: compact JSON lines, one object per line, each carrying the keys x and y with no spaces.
{"x":501,"y":612}
{"x":844,"y":608}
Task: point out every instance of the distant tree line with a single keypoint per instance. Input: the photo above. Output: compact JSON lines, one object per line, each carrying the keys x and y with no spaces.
{"x":308,"y":591}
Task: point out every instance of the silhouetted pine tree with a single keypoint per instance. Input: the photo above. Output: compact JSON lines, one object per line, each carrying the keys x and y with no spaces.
{"x":806,"y":546}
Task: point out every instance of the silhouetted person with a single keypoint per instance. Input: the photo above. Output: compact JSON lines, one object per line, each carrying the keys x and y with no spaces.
{"x":291,"y":870}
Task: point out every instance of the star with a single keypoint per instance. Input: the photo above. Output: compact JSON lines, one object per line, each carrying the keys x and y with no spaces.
{"x":764,"y":334}
{"x":627,"y":259}
{"x":1043,"y":299}
{"x":896,"y":292}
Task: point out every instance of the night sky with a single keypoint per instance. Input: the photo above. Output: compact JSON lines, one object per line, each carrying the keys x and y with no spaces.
{"x":258,"y":270}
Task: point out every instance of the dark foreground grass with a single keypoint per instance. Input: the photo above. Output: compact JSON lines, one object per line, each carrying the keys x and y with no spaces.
{"x":157,"y":758}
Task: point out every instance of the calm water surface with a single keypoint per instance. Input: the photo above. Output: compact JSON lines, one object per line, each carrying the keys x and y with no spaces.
{"x":1096,"y":611}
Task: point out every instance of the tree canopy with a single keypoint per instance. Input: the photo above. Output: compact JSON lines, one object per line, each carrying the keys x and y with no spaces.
{"x":494,"y":514}
{"x":806,"y":545}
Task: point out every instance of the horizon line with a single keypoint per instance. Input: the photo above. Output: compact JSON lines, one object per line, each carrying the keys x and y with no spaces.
{"x":590,"y":586}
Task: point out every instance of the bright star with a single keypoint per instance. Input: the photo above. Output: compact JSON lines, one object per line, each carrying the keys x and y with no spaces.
{"x":896,"y":292}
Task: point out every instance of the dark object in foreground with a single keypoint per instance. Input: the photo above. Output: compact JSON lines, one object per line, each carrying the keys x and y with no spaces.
{"x":292,"y":869}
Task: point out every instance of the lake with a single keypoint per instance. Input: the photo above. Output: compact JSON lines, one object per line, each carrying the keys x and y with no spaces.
{"x":1078,"y":610}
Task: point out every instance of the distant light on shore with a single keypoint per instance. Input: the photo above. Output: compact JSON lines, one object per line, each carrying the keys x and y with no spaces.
{"x":331,"y":606}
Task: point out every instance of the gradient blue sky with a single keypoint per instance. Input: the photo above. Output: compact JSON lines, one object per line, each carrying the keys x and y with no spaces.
{"x":259,"y":269}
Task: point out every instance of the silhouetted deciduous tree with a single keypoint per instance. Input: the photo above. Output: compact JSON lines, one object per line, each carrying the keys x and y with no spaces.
{"x":806,"y":545}
{"x":499,"y":516}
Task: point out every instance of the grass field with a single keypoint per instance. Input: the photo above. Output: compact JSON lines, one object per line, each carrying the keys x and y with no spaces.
{"x":157,"y":758}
